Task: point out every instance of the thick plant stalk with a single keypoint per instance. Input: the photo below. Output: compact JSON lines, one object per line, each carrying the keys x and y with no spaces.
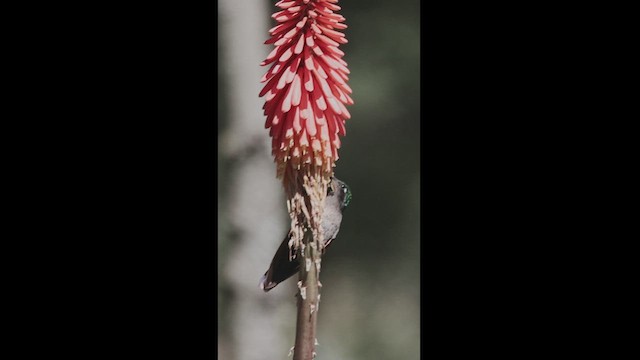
{"x":307,"y":194}
{"x":308,"y":303}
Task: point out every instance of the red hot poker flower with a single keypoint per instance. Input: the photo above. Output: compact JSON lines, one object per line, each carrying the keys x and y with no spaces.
{"x":306,"y":87}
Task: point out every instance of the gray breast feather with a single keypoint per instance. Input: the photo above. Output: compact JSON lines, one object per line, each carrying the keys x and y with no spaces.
{"x":331,"y":218}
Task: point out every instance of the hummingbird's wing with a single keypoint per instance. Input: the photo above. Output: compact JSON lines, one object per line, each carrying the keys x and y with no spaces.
{"x":281,"y":268}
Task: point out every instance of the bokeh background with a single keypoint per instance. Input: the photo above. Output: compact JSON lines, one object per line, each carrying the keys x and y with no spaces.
{"x":370,"y":307}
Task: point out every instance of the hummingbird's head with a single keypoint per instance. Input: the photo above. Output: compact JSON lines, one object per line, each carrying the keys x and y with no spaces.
{"x":341,"y":190}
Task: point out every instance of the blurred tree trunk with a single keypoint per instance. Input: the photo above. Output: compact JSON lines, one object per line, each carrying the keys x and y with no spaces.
{"x":252,"y":214}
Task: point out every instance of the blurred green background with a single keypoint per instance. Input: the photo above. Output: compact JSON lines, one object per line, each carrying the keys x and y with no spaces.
{"x":370,"y":304}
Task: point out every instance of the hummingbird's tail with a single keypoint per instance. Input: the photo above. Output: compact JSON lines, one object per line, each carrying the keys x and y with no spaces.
{"x":281,"y":268}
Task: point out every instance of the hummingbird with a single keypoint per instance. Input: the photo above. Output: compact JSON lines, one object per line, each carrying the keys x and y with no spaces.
{"x":338,"y":198}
